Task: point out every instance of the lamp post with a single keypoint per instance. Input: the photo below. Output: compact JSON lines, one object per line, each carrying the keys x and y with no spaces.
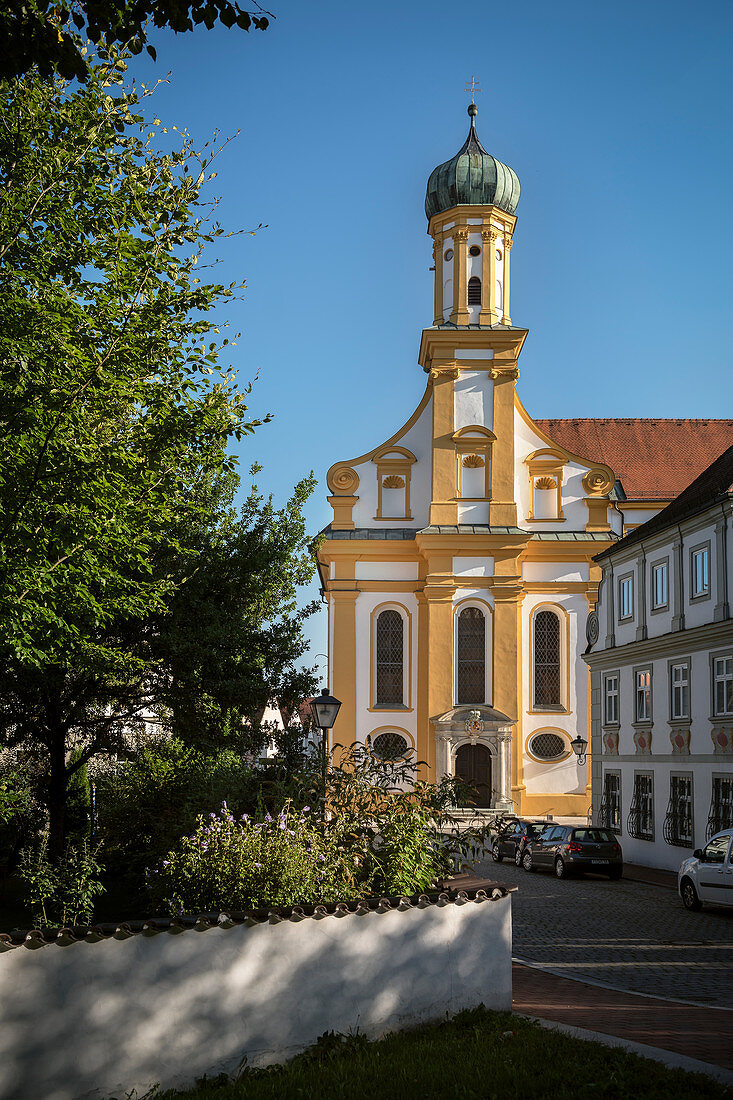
{"x":579,"y":746}
{"x":324,"y":709}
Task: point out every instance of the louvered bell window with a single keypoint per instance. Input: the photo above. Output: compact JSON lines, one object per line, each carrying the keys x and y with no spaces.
{"x":547,"y":692}
{"x":471,"y":656}
{"x":474,"y":291}
{"x":390,"y":659}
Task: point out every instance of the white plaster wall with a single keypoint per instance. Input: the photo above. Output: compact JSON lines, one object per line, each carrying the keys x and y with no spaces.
{"x":474,"y":266}
{"x":555,"y":571}
{"x":367,"y":721}
{"x":660,"y":621}
{"x":448,"y":272}
{"x":473,"y":398}
{"x":626,"y":630}
{"x":634,"y":517}
{"x":418,"y":440}
{"x":386,"y":570}
{"x":105,"y":1018}
{"x":473,"y":513}
{"x":566,"y":776}
{"x":473,"y":567}
{"x":499,"y":277}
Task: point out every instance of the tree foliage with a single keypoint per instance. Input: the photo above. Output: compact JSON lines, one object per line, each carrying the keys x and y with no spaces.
{"x":117,"y":535}
{"x":51,"y":34}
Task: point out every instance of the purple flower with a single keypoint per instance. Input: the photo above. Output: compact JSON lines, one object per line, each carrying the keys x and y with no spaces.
{"x":269,"y":819}
{"x":306,"y":809}
{"x":258,"y":865}
{"x":321,"y":858}
{"x":166,"y":863}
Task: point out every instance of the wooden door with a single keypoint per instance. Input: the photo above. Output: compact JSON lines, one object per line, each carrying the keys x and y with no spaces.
{"x":473,"y":766}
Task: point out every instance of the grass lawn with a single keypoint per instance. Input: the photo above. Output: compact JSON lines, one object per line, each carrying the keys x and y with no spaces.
{"x":469,"y":1056}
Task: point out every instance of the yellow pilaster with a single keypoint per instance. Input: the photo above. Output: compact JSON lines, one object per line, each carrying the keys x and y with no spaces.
{"x":507,"y":249}
{"x":343,"y":664}
{"x":443,"y":506}
{"x":503,"y":508}
{"x":437,"y":600}
{"x":488,"y":314}
{"x":438,"y":297}
{"x":460,"y":316}
{"x":508,"y":670}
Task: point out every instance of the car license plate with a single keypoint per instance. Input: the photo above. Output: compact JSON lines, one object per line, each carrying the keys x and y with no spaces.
{"x":599,"y":861}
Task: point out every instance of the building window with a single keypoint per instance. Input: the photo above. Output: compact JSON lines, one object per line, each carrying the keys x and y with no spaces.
{"x":700,"y":580}
{"x":610,"y":814}
{"x":471,"y":656}
{"x":610,"y":706}
{"x":721,"y":805}
{"x":547,"y":746}
{"x":643,"y":711}
{"x":390,"y":659}
{"x":640,"y":822}
{"x":659,"y":585}
{"x":547,"y":662}
{"x":680,"y":690}
{"x":626,"y":597}
{"x":474,"y":291}
{"x":390,"y":746}
{"x":678,"y":820}
{"x":723,"y":685}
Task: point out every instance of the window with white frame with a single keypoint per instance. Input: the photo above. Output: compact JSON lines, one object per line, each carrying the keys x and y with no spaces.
{"x":700,"y":580}
{"x":643,"y":710}
{"x":471,"y":656}
{"x":626,"y":597}
{"x":547,"y":663}
{"x":390,"y":673}
{"x":610,"y":693}
{"x":660,"y":580}
{"x":680,"y":685}
{"x":723,"y":685}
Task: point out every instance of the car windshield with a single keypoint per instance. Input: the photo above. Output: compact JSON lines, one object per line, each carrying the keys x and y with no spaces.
{"x":594,"y":836}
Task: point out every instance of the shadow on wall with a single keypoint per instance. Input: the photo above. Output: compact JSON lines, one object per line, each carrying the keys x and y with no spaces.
{"x":92,"y":1019}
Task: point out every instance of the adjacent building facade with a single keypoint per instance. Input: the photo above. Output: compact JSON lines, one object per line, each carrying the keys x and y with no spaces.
{"x":459,"y":566}
{"x":660,"y":652}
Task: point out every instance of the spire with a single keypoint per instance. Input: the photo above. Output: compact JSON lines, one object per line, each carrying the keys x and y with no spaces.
{"x":472,"y":146}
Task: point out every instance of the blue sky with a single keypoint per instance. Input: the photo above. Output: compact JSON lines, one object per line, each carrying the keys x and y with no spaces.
{"x":616,"y":118}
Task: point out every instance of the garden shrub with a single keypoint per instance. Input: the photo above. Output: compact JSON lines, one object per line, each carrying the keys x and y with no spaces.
{"x":239,"y":863}
{"x":147,"y":803}
{"x":62,"y":893}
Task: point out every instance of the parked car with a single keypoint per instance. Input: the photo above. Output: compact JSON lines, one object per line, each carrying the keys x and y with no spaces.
{"x":510,"y":841}
{"x":569,"y":849}
{"x":707,"y":875}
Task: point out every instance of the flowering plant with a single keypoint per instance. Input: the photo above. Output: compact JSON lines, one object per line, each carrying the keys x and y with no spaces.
{"x":240,"y":863}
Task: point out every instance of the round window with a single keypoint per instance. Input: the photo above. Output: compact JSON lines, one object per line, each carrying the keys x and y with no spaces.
{"x":390,"y":746}
{"x":547,"y":746}
{"x":498,"y":254}
{"x":448,"y":254}
{"x":474,"y":250}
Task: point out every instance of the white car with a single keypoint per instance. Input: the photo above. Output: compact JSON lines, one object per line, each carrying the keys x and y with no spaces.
{"x":707,"y":875}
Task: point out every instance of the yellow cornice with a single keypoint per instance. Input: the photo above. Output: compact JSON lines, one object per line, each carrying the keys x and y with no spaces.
{"x":441,"y":344}
{"x":458,"y":218}
{"x":471,"y":544}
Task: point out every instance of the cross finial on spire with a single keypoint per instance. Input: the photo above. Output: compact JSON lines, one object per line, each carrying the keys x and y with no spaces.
{"x":472,"y":87}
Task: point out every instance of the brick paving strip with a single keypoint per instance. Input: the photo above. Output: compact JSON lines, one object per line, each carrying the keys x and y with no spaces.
{"x":702,"y":1033}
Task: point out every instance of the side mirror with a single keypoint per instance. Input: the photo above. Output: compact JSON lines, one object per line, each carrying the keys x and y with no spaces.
{"x":698,"y":854}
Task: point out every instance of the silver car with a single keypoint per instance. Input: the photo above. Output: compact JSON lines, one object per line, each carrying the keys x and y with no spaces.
{"x":707,"y":875}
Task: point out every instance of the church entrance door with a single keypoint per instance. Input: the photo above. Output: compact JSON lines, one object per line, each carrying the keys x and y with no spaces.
{"x":473,"y":766}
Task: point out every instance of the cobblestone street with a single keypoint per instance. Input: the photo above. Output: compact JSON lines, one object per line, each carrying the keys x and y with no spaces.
{"x":632,"y":935}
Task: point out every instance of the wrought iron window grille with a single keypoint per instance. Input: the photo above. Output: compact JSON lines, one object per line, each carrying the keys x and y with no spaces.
{"x":640,"y":822}
{"x":390,"y":669}
{"x":677,"y":828}
{"x":720,"y":815}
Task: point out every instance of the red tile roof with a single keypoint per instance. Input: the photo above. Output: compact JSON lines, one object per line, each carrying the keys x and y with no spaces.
{"x":653,"y":459}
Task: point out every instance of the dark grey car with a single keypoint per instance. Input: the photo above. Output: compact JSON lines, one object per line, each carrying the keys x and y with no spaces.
{"x":510,"y":842}
{"x":568,"y":849}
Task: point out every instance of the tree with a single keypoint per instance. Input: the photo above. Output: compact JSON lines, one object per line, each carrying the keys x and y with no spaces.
{"x":114,"y":413}
{"x":51,"y":34}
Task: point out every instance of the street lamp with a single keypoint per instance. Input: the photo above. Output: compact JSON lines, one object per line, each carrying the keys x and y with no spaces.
{"x":324,"y":709}
{"x":579,"y":745}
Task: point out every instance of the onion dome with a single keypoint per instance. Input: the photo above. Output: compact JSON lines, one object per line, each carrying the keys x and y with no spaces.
{"x":473,"y":178}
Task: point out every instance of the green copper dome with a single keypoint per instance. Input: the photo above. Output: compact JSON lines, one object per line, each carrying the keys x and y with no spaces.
{"x":472,"y":177}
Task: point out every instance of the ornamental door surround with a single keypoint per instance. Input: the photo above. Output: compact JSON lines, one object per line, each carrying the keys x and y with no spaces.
{"x":476,"y":724}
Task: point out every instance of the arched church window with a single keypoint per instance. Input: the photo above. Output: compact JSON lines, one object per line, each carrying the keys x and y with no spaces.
{"x":547,"y":662}
{"x":474,"y":291}
{"x":390,"y":658}
{"x":471,"y":657}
